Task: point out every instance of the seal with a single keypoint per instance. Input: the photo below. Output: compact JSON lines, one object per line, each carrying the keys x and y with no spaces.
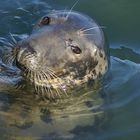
{"x":65,"y":50}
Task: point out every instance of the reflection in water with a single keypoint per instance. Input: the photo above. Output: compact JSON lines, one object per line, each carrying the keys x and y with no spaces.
{"x":23,"y":116}
{"x":87,"y":117}
{"x":125,"y":53}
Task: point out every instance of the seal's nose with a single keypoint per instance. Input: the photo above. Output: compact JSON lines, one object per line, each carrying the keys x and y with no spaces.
{"x":25,"y":56}
{"x":19,"y":57}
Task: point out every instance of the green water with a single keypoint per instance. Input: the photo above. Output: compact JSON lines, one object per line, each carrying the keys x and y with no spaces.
{"x":120,"y":113}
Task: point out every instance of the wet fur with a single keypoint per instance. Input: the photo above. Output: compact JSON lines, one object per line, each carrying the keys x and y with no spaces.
{"x":46,"y":60}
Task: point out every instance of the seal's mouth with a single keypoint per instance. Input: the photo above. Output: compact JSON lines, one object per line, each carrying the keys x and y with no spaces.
{"x":47,"y":83}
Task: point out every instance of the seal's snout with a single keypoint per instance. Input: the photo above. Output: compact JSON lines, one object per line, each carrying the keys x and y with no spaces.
{"x":26,"y":57}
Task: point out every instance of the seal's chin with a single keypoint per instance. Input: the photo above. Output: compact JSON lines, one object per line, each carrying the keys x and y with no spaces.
{"x":46,"y":83}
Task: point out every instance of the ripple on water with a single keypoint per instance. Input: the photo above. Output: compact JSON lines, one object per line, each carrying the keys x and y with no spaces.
{"x":116,"y":116}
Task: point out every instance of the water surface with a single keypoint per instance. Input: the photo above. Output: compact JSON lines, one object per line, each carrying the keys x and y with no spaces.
{"x":112,"y":114}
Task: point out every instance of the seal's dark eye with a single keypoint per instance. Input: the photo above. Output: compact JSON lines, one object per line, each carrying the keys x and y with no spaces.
{"x":76,"y":49}
{"x":45,"y":20}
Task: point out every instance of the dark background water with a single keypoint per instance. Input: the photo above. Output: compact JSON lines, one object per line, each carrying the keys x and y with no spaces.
{"x":121,"y":19}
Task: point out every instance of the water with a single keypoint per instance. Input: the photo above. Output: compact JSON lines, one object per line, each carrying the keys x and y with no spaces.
{"x":113,"y":114}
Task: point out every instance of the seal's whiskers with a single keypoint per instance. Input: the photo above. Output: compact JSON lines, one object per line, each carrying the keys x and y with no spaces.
{"x":13,"y":39}
{"x":8,"y":58}
{"x":88,"y":34}
{"x":7,"y":43}
{"x":92,"y":28}
{"x":71,"y":9}
{"x":26,"y":72}
{"x":52,"y":72}
{"x":32,"y":75}
{"x":35,"y":85}
{"x":48,"y":77}
{"x":82,"y":31}
{"x":54,"y":75}
{"x":58,"y":92}
{"x":38,"y":78}
{"x":58,"y":79}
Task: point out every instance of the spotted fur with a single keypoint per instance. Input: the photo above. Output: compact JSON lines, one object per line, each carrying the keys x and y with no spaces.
{"x":64,"y":51}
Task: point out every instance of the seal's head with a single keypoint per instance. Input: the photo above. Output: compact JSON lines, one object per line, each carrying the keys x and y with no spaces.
{"x":64,"y":50}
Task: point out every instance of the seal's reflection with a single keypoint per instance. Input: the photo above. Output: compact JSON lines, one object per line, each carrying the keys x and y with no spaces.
{"x":24,"y":116}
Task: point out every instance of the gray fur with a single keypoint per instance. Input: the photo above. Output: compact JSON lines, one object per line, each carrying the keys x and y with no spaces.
{"x":46,"y":57}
